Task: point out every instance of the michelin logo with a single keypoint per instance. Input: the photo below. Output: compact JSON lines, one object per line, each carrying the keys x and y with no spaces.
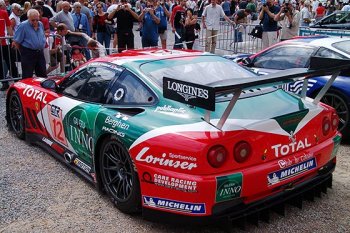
{"x":193,"y":208}
{"x":284,"y":174}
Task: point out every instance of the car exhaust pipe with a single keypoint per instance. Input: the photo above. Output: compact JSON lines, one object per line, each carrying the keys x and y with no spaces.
{"x":68,"y":157}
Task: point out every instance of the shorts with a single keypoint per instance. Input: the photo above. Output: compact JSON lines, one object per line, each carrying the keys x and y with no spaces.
{"x":163,"y":36}
{"x":55,"y":58}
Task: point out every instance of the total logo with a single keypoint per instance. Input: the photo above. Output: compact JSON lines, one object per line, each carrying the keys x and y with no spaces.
{"x":35,"y":94}
{"x":294,"y":146}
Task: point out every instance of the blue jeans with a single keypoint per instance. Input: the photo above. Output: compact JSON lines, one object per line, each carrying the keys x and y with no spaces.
{"x":149,"y":42}
{"x":104,"y":38}
{"x":238,"y":36}
{"x":178,"y":41}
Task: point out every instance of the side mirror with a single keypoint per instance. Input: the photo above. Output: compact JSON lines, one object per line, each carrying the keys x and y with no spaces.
{"x":247,"y":61}
{"x":49,"y":84}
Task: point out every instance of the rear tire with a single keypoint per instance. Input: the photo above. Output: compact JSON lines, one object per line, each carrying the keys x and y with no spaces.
{"x":118,"y":176}
{"x":339,"y":102}
{"x":16,"y":115}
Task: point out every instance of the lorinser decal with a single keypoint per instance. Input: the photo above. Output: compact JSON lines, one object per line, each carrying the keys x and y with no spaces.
{"x":166,"y":160}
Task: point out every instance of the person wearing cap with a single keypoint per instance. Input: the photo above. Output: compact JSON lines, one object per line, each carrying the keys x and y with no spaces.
{"x":289,"y":18}
{"x":6,"y":53}
{"x":30,"y":40}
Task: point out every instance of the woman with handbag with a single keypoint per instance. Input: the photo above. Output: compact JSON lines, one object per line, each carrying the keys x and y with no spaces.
{"x":100,"y":28}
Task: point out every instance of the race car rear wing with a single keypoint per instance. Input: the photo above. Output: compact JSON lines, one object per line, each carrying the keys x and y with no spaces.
{"x":205,"y":96}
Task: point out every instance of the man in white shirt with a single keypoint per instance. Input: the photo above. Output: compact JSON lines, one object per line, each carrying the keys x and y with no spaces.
{"x":211,"y":22}
{"x":346,"y":7}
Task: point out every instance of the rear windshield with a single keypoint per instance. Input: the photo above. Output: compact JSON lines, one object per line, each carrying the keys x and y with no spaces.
{"x":196,"y":69}
{"x":343,"y":46}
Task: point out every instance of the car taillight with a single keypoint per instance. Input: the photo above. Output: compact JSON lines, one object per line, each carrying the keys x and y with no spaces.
{"x":326,"y":126}
{"x":335,"y":121}
{"x":217,"y":156}
{"x":242,"y":151}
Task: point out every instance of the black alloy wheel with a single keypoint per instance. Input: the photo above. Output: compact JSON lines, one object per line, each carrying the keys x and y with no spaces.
{"x":338,"y":102}
{"x":118,"y":176}
{"x":16,"y":116}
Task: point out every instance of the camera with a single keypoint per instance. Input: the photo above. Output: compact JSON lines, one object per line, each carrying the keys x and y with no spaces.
{"x":286,"y":7}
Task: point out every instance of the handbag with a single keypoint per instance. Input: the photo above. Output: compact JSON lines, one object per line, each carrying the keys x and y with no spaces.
{"x":110,"y":29}
{"x":257,"y":31}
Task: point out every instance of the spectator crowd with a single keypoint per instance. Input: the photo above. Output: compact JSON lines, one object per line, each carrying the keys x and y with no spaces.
{"x":47,"y":34}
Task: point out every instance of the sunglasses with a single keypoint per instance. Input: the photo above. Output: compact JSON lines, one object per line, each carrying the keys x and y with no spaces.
{"x":98,"y":7}
{"x":34,"y":20}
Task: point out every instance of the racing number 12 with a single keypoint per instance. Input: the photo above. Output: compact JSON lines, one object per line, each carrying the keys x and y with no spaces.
{"x":58,"y":130}
{"x":55,"y":118}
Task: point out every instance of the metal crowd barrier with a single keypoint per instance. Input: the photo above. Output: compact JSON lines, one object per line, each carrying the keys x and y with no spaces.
{"x":226,"y":38}
{"x":11,"y":69}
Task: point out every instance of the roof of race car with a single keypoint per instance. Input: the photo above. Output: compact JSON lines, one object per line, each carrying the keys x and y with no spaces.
{"x":149,"y":55}
{"x":324,"y":41}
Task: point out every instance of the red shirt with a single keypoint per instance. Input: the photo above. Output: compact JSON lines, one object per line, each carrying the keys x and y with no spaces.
{"x":320,"y":11}
{"x":4,"y":22}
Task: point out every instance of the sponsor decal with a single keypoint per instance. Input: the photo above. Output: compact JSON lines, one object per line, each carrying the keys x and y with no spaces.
{"x":170,"y":182}
{"x":118,"y":95}
{"x":47,"y":141}
{"x":283,"y":163}
{"x":336,"y":141}
{"x":122,"y":116}
{"x":30,"y":92}
{"x":81,"y":138}
{"x":228,"y":187}
{"x":289,"y":172}
{"x":55,"y":111}
{"x":292,"y":147}
{"x":82,"y":165}
{"x":185,"y":207}
{"x":56,"y":124}
{"x":113,"y":131}
{"x":165,"y":161}
{"x":116,"y":123}
{"x":189,"y":93}
{"x":78,"y":122}
{"x":169,"y":108}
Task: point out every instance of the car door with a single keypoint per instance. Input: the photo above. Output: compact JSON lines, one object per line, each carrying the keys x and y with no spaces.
{"x":70,"y":118}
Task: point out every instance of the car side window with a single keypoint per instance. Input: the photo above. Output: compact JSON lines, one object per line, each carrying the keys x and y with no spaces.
{"x":130,"y":90}
{"x":95,"y":88}
{"x":89,"y":84}
{"x":285,"y":57}
{"x":75,"y":82}
{"x":324,"y":52}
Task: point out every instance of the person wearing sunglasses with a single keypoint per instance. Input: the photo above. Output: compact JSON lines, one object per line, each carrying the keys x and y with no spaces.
{"x":30,"y":40}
